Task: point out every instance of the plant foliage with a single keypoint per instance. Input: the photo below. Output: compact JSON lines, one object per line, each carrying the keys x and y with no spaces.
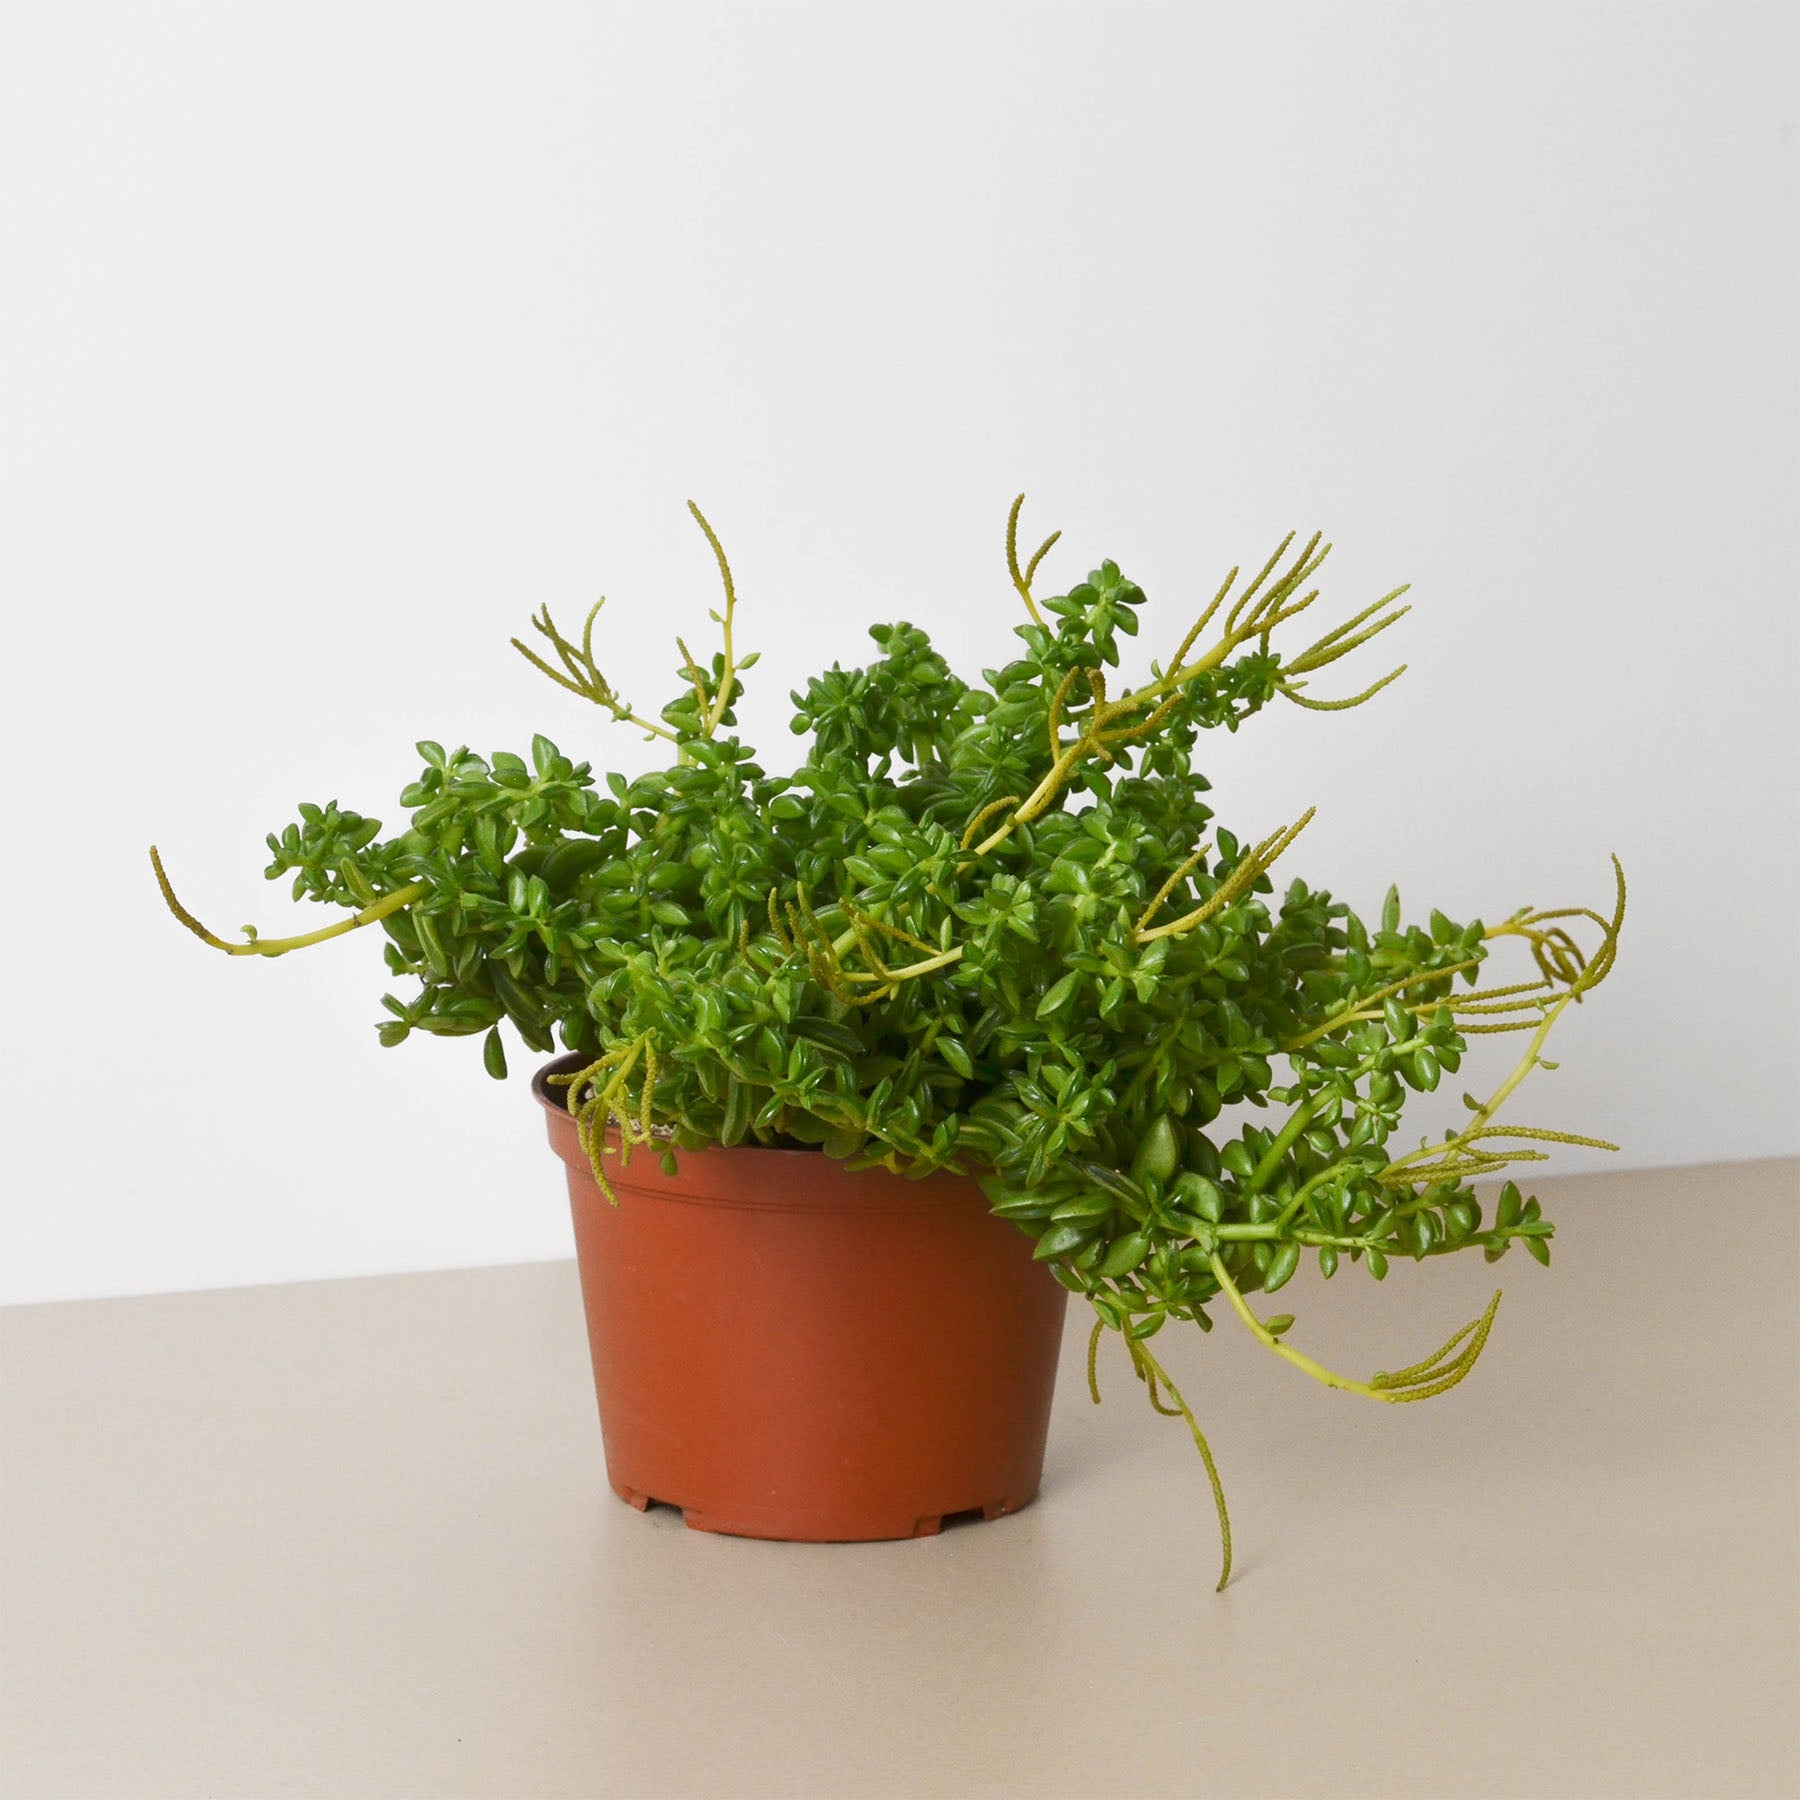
{"x":985,"y":927}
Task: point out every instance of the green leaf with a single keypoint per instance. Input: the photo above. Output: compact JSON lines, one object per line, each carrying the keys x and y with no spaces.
{"x":1084,"y":1209}
{"x":1158,"y":1153}
{"x":1025,"y":1205}
{"x":1281,"y":1267}
{"x":1059,"y":994}
{"x":739,"y":1104}
{"x":1125,"y":1255}
{"x":1199,"y":1195}
{"x":1059,"y":1240}
{"x":1511,"y":1206}
{"x":1120,"y":1187}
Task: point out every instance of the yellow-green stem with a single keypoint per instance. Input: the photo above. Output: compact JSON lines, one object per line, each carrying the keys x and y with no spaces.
{"x":1155,"y":1372}
{"x":388,"y":904}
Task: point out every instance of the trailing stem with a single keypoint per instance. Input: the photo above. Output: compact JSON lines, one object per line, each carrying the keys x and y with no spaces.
{"x":599,"y":1098}
{"x":583,"y":675}
{"x":253,"y":945}
{"x":1255,"y":615}
{"x":1458,"y":1156}
{"x":1249,"y":869}
{"x":1021,"y":578}
{"x":580,"y":674}
{"x":1156,"y":1380}
{"x":1435,"y":1375}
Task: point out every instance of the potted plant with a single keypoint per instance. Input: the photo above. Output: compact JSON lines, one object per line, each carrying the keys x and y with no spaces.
{"x":983,"y":957}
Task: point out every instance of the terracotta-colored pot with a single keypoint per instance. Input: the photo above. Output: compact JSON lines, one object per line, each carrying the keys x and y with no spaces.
{"x":786,"y":1349}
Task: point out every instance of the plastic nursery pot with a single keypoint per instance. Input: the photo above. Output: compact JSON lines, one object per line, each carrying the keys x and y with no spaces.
{"x":786,"y":1349}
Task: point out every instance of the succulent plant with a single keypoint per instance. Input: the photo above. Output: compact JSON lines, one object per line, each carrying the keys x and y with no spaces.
{"x":989,"y":928}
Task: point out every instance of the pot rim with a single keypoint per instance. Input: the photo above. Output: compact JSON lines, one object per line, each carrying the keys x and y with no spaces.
{"x":759,"y":1178}
{"x":553,"y":1101}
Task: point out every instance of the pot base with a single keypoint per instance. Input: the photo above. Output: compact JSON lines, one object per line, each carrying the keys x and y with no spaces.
{"x":790,"y":1528}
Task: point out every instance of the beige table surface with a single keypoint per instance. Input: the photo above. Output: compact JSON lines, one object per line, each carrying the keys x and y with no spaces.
{"x":352,"y":1540}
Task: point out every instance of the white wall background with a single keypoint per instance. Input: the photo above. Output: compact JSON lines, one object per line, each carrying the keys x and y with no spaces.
{"x":337,"y":339}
